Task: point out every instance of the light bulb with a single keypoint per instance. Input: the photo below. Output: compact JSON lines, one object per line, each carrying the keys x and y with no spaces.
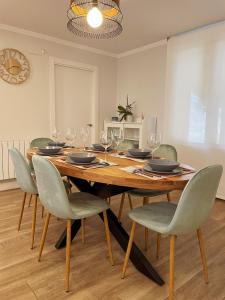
{"x":94,"y":17}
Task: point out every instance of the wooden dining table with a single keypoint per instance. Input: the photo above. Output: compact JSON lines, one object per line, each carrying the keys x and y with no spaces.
{"x":113,"y":180}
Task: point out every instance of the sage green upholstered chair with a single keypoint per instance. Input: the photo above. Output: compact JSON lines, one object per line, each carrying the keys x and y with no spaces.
{"x":166,"y":151}
{"x":75,"y":206}
{"x":192,"y":210}
{"x":27,"y":185}
{"x":43,"y":142}
{"x":40,"y":142}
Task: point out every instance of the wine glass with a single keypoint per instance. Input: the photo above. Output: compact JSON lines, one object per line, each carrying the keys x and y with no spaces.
{"x":105,"y":141}
{"x":55,"y":134}
{"x":117,"y":137}
{"x":84,"y":136}
{"x":154,"y":141}
{"x":69,"y":136}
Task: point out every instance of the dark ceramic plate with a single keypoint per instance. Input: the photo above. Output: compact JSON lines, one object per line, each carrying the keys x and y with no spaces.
{"x":139,"y":157}
{"x":49,"y":150}
{"x":94,"y":162}
{"x":176,"y":171}
{"x":139,"y":152}
{"x":163,"y":165}
{"x":82,"y":157}
{"x":60,"y":144}
{"x":99,"y":147}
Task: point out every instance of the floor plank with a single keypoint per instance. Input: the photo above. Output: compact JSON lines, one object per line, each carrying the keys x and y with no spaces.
{"x":92,"y":277}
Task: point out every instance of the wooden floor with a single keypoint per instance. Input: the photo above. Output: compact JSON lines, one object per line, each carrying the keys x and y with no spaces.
{"x":23,"y":278}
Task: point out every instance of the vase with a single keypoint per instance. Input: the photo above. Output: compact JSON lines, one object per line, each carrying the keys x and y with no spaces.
{"x":129,"y":118}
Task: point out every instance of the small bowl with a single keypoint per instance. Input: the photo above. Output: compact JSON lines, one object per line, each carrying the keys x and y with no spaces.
{"x":50,"y":149}
{"x":99,"y":147}
{"x":163,"y":165}
{"x":59,"y":144}
{"x":139,"y":152}
{"x":82,"y":157}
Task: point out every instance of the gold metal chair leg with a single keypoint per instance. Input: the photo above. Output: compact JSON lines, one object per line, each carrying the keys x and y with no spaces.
{"x":146,"y":239}
{"x":108,"y":238}
{"x":121,"y":207}
{"x":130,"y":201}
{"x":30,"y":200}
{"x":172,"y":250}
{"x":83,"y":230}
{"x":158,"y":245}
{"x":128,"y":249}
{"x":44,"y":233}
{"x":42,"y":211}
{"x":168,"y":197}
{"x":34,"y":221}
{"x":68,"y":245}
{"x":203,"y":255}
{"x":21,"y":212}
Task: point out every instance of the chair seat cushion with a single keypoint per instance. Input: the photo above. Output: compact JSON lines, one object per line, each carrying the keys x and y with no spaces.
{"x":155,"y":216}
{"x":147,"y":193}
{"x":85,"y":205}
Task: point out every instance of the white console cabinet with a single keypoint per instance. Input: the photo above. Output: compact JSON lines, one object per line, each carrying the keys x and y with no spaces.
{"x":133,"y":132}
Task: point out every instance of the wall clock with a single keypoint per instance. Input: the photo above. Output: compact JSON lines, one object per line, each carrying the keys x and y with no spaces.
{"x":14,"y":66}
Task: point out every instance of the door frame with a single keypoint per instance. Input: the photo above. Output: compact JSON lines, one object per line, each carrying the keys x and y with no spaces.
{"x":55,"y":61}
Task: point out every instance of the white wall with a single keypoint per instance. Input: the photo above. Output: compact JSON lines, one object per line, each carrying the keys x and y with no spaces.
{"x":24,"y":109}
{"x":142,"y":76}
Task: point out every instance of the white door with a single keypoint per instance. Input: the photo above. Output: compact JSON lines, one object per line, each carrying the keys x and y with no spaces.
{"x":74,"y":98}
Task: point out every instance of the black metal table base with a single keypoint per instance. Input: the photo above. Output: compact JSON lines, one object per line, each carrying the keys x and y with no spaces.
{"x":136,"y":256}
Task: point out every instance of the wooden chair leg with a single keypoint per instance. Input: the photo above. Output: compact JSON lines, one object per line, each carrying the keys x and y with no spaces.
{"x":121,"y":207}
{"x":130,"y":201}
{"x":30,"y":200}
{"x":203,"y":255}
{"x":158,"y":245}
{"x":21,"y":212}
{"x":44,"y":233}
{"x":128,"y":249}
{"x":68,"y":245}
{"x":83,"y":230}
{"x":171,"y":283}
{"x":146,"y":239}
{"x":42,"y":211}
{"x":168,"y":197}
{"x":34,"y":222}
{"x":108,"y":238}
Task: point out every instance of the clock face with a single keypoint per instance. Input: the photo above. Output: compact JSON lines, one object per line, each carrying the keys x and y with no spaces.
{"x":14,"y":66}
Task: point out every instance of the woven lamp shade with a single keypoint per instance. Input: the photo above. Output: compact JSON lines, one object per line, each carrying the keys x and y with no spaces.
{"x":112,"y":18}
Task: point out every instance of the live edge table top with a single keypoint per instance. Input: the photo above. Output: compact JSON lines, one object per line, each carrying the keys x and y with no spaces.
{"x":114,"y":175}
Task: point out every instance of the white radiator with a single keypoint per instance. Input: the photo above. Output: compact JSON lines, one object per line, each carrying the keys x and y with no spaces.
{"x":6,"y":166}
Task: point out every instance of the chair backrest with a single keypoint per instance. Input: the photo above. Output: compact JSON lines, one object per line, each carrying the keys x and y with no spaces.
{"x":23,"y":172}
{"x":40,"y":142}
{"x":51,"y":189}
{"x":166,"y":151}
{"x":196,"y":201}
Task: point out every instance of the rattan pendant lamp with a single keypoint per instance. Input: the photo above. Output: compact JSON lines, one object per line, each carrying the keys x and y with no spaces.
{"x":99,"y":19}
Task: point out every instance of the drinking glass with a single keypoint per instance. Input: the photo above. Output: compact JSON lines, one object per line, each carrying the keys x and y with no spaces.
{"x":105,"y":141}
{"x":117,"y":137}
{"x":84,"y":136}
{"x":154,"y":141}
{"x":69,"y":136}
{"x":55,"y":134}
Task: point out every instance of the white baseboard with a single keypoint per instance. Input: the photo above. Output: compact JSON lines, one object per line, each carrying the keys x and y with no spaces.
{"x":8,"y":185}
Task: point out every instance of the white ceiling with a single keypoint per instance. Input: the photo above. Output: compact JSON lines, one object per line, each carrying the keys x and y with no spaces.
{"x":145,"y":21}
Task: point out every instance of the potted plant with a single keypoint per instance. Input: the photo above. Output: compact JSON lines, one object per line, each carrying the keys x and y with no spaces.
{"x":125,"y":112}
